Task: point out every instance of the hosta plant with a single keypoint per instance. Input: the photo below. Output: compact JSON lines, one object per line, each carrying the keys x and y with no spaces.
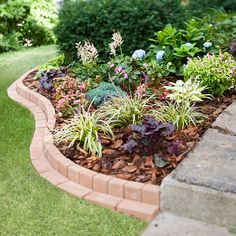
{"x":217,"y":72}
{"x":83,"y":133}
{"x":189,"y":91}
{"x":121,"y":112}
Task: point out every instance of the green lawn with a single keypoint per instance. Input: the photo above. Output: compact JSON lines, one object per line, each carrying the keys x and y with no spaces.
{"x":28,"y":204}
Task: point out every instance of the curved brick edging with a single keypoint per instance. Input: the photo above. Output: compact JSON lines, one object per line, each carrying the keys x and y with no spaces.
{"x":132,"y":198}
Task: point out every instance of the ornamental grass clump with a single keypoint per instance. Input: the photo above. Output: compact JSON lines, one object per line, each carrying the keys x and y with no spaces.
{"x":83,"y":133}
{"x":121,"y":112}
{"x":217,"y":72}
{"x":179,"y":114}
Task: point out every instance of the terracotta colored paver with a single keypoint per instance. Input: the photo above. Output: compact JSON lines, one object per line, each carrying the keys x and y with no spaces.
{"x":54,"y":177}
{"x":64,"y":164}
{"x":151,"y":194}
{"x":86,"y":178}
{"x":103,"y":200}
{"x":41,"y":165}
{"x":100,"y":183}
{"x":74,"y":173}
{"x":75,"y":189}
{"x":116,"y":187}
{"x":133,"y":191}
{"x":138,"y":209}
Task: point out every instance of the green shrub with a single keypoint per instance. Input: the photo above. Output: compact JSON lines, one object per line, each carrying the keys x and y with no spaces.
{"x":200,"y":6}
{"x":103,"y":93}
{"x":29,"y":22}
{"x":225,"y":25}
{"x":217,"y":72}
{"x":96,"y":21}
{"x":10,"y":42}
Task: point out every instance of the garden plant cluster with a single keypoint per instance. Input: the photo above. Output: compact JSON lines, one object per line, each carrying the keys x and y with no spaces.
{"x":133,"y":112}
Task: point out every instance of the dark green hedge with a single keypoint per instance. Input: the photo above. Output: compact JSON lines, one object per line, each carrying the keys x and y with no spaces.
{"x":136,"y":20}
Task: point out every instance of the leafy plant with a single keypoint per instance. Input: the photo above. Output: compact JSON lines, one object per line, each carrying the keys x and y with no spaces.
{"x":174,"y":45}
{"x":92,"y":72}
{"x":83,"y":133}
{"x":149,"y":135}
{"x":104,"y":92}
{"x":69,"y":94}
{"x":53,"y":64}
{"x":155,"y":70}
{"x":187,"y":92}
{"x":186,"y":50}
{"x":121,"y":112}
{"x":179,"y":114}
{"x":47,"y":76}
{"x":181,"y":111}
{"x":217,"y":72}
{"x":125,"y":74}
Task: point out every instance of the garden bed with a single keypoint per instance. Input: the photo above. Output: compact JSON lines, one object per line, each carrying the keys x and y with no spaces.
{"x":136,"y":166}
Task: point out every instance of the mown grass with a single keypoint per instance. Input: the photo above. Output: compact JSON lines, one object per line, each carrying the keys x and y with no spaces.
{"x":28,"y":204}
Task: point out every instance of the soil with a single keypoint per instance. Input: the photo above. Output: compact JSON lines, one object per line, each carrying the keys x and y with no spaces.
{"x":136,"y":166}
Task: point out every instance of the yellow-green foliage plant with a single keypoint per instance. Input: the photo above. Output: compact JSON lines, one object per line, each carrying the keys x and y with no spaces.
{"x":217,"y":72}
{"x":121,"y":112}
{"x":83,"y":132}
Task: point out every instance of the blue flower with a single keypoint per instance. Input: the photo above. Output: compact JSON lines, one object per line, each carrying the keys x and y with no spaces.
{"x":139,"y":54}
{"x":187,"y":44}
{"x":207,"y":44}
{"x":159,"y":55}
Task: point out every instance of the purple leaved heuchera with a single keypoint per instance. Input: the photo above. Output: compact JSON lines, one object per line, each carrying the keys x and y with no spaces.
{"x":150,"y":134}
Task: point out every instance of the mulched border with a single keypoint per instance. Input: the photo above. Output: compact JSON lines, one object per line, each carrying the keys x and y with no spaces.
{"x":132,"y":198}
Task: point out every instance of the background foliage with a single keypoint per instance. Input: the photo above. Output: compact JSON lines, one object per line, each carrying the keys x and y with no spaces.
{"x":26,"y":23}
{"x":96,"y":21}
{"x":136,"y":20}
